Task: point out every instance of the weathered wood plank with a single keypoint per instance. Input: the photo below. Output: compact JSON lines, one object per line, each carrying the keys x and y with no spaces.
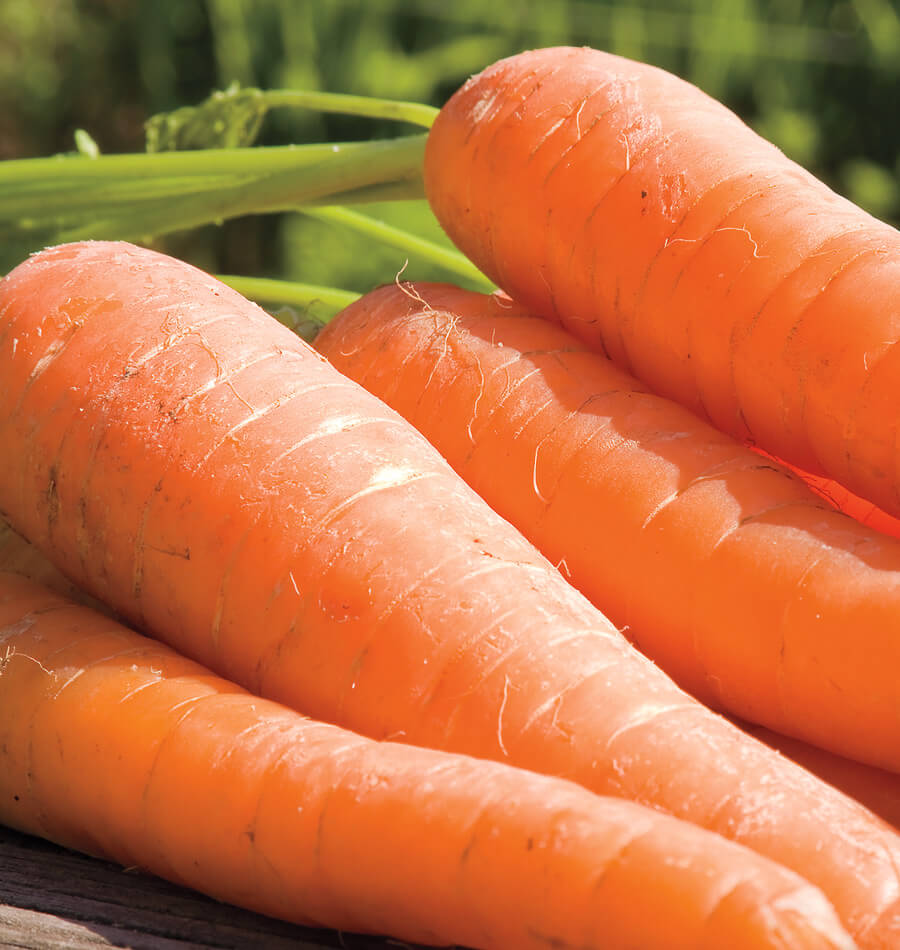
{"x":54,"y":899}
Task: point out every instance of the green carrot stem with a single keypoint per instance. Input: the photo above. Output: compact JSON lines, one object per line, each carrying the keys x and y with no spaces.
{"x":413,"y":112}
{"x":272,"y":291}
{"x":137,"y":196}
{"x":60,"y":171}
{"x":445,"y":257}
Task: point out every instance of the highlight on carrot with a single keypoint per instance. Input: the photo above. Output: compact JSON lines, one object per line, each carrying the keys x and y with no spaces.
{"x":115,"y":745}
{"x":625,"y":202}
{"x":192,"y":463}
{"x":664,"y":522}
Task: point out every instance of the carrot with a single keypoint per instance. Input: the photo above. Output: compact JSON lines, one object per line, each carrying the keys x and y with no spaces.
{"x":844,"y":500}
{"x":115,"y":745}
{"x":665,"y":523}
{"x":17,"y":556}
{"x":188,"y":460}
{"x":626,"y":203}
{"x":858,"y":508}
{"x":877,"y":789}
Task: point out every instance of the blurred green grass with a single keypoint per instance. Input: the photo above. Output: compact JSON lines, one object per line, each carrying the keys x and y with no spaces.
{"x":821,"y":79}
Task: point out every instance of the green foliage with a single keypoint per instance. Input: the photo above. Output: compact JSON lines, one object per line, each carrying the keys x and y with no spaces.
{"x":323,"y":252}
{"x":230,"y":118}
{"x":874,"y":186}
{"x":820,"y":78}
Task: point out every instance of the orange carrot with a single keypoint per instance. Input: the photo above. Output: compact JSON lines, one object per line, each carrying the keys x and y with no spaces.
{"x":17,"y":556}
{"x":623,"y":201}
{"x":188,"y":460}
{"x":745,"y":587}
{"x":858,"y":508}
{"x":115,"y":745}
{"x":844,"y":500}
{"x":877,"y":789}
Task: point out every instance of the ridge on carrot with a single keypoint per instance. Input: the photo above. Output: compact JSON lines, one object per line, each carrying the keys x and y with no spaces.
{"x":115,"y":745}
{"x":188,"y":460}
{"x":663,"y":231}
{"x":626,"y":491}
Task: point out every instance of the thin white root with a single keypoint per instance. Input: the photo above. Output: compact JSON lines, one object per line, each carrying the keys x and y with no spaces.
{"x":500,"y":716}
{"x":6,"y":659}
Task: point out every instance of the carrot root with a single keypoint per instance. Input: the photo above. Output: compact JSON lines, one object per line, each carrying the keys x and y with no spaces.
{"x":617,"y":485}
{"x":115,"y":745}
{"x":189,"y":461}
{"x":615,"y":197}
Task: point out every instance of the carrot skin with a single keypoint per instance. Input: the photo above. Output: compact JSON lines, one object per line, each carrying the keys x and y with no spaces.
{"x":656,"y":225}
{"x":877,"y":789}
{"x":189,"y":461}
{"x":113,"y":744}
{"x":844,"y":500}
{"x":617,"y":485}
{"x":17,"y":556}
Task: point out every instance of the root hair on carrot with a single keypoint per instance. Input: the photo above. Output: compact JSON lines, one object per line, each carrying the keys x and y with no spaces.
{"x":10,"y":652}
{"x":451,"y":328}
{"x":408,"y":288}
{"x":478,"y":397}
{"x":500,"y":716}
{"x":534,"y":478}
{"x":578,"y":117}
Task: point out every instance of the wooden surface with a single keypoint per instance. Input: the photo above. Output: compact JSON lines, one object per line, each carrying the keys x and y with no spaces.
{"x":53,"y":898}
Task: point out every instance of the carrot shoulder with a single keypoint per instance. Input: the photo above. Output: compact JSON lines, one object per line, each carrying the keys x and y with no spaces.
{"x":189,"y":461}
{"x":747,"y":588}
{"x":625,"y":202}
{"x":115,"y":745}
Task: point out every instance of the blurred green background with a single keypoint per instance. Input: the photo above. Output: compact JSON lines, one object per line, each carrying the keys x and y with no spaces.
{"x":820,"y":79}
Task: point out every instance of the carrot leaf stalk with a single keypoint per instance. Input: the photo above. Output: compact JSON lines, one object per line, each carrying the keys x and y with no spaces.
{"x":232,"y":117}
{"x":446,"y":258}
{"x":273,"y":290}
{"x":201,"y":168}
{"x":54,"y":200}
{"x":304,"y":308}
